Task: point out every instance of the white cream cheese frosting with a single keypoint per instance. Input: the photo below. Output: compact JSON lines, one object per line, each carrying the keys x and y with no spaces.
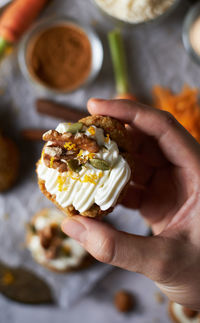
{"x":77,"y":252}
{"x":180,"y":316}
{"x":135,"y":11}
{"x":90,"y":185}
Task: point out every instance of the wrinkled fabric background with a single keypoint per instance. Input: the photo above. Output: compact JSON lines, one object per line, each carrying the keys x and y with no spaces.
{"x":156,"y":56}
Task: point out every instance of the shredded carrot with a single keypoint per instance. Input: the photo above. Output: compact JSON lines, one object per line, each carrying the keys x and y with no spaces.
{"x":184,"y":106}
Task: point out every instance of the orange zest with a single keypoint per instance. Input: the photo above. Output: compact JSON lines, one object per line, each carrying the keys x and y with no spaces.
{"x":92,"y":178}
{"x":107,"y":138}
{"x":85,"y":158}
{"x":51,"y":162}
{"x":91,"y":130}
{"x":88,"y":178}
{"x":69,"y":146}
{"x":61,"y":180}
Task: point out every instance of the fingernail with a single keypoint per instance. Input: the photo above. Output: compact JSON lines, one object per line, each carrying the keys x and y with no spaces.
{"x":74,"y":229}
{"x":93,"y":101}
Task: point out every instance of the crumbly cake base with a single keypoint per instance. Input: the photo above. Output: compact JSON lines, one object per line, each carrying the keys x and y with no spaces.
{"x":113,"y":127}
{"x":86,"y":262}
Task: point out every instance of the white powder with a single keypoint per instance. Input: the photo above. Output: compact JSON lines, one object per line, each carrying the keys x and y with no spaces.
{"x":135,"y":11}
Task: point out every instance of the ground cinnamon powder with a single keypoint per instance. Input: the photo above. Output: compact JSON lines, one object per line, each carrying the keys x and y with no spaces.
{"x":60,"y":57}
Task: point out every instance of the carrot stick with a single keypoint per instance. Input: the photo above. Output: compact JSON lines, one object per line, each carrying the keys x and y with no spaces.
{"x":119,"y":65}
{"x":15,"y":20}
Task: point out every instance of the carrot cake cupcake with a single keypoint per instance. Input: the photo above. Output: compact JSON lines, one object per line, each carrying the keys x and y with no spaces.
{"x":9,"y":163}
{"x":85,"y":167}
{"x":50,"y":247}
{"x":181,"y":314}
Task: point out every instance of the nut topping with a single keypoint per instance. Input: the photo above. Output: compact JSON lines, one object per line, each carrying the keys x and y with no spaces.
{"x":61,"y":151}
{"x":53,"y":151}
{"x":58,"y":162}
{"x":81,"y":141}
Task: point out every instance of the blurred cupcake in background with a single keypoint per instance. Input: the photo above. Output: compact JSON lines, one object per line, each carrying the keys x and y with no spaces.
{"x":50,"y":247}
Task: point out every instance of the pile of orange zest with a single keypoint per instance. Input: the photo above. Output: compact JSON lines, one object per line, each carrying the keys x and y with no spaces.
{"x":70,"y":173}
{"x":183,"y":106}
{"x":90,"y":156}
{"x":7,"y":278}
{"x":61,"y":180}
{"x":69,"y":146}
{"x":51,"y":162}
{"x":80,"y":153}
{"x":84,"y":158}
{"x":91,"y":178}
{"x":91,"y":130}
{"x":107,"y":138}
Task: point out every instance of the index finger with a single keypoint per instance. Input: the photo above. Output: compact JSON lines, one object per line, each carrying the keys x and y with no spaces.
{"x":179,"y":147}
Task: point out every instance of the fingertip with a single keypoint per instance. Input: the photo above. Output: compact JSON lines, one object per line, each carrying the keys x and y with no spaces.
{"x":72,"y":227}
{"x":93,"y":105}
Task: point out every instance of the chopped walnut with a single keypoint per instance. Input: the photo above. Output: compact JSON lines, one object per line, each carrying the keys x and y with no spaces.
{"x":53,"y":151}
{"x":56,"y":163}
{"x":65,"y":147}
{"x":80,"y":140}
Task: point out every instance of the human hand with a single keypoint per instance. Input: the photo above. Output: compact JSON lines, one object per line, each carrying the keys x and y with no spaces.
{"x":166,"y":189}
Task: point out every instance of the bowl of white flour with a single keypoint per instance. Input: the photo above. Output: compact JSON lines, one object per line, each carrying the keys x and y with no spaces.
{"x":135,"y":12}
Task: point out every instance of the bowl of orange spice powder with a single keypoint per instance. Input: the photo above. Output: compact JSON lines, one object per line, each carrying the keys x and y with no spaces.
{"x":59,"y":55}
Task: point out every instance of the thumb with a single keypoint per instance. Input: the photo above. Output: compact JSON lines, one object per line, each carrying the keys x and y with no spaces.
{"x":147,"y":255}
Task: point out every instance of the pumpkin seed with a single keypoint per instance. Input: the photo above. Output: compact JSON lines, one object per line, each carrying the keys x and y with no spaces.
{"x":74,"y":166}
{"x":100,"y":164}
{"x":75,"y":127}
